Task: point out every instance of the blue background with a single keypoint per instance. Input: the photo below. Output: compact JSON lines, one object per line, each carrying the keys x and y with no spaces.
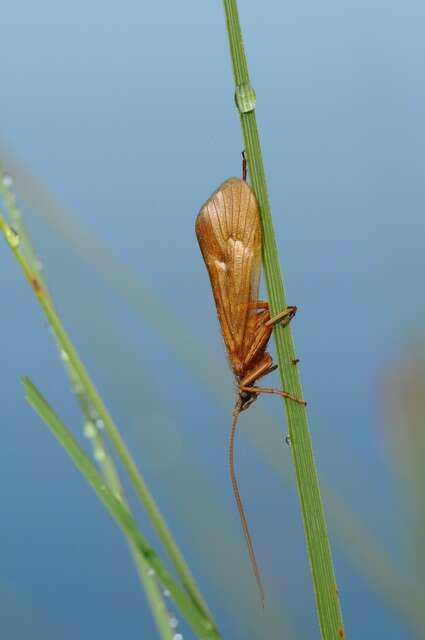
{"x":124,"y":114}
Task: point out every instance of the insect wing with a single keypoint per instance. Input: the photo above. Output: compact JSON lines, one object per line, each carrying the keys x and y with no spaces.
{"x":229,"y":235}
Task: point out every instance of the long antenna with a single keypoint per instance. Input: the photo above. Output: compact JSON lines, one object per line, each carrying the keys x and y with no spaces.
{"x":236,"y":414}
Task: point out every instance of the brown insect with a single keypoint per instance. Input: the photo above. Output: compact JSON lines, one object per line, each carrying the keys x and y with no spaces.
{"x":229,"y":235}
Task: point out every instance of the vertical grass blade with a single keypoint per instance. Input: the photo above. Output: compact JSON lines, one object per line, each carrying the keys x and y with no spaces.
{"x":318,"y":546}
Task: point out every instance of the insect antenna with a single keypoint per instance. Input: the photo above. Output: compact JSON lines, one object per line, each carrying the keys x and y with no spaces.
{"x":236,"y":414}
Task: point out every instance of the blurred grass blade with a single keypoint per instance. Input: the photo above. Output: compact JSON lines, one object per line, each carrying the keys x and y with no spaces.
{"x":124,"y":283}
{"x":100,"y":452}
{"x":127,"y":460}
{"x":202,"y":626}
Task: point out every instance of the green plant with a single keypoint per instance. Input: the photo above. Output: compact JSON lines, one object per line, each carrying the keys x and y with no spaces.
{"x":153,"y":574}
{"x":318,"y":546}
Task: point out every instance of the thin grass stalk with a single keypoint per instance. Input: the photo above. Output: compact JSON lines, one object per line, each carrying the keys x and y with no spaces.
{"x":153,"y":591}
{"x":202,"y":626}
{"x":109,"y":472}
{"x":100,"y":452}
{"x":127,"y":460}
{"x":318,"y":546}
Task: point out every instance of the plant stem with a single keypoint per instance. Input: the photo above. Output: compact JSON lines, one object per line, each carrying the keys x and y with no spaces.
{"x":318,"y":546}
{"x":367,"y":554}
{"x":127,"y":460}
{"x":100,"y":451}
{"x":118,"y":509}
{"x":151,"y":586}
{"x":109,"y":472}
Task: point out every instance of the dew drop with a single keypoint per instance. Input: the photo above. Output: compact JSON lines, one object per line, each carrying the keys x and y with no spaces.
{"x":173,"y":622}
{"x":177,"y":636}
{"x":166,"y":593}
{"x":99,"y":455}
{"x":100,"y":424}
{"x":7,"y":181}
{"x":89,"y":430}
{"x":12,"y":237}
{"x":64,"y":355}
{"x":151,"y":572}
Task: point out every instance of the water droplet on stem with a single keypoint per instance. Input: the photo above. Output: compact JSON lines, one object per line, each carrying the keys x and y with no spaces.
{"x":99,"y":455}
{"x":173,"y":622}
{"x":89,"y":430}
{"x":12,"y":237}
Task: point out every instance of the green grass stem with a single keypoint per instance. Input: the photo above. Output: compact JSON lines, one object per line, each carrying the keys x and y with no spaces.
{"x":319,"y":551}
{"x":101,"y":455}
{"x":202,"y":626}
{"x":69,"y":352}
{"x":154,"y":593}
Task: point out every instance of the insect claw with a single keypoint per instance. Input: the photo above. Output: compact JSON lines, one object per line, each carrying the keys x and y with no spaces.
{"x":295,"y":361}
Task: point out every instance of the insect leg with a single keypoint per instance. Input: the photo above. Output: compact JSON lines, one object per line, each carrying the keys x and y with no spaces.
{"x":283,"y":394}
{"x":263,"y":368}
{"x":260,"y":336}
{"x":262,"y":327}
{"x":258,"y":304}
{"x":244,"y":163}
{"x":284,"y":316}
{"x":266,"y":373}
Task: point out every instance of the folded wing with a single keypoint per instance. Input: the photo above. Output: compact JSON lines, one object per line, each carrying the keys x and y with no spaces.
{"x":229,"y":235}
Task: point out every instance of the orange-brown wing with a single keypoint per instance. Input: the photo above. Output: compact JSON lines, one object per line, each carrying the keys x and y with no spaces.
{"x":229,"y":235}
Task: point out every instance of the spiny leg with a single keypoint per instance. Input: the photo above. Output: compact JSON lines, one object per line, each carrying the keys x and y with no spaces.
{"x":262,"y":326}
{"x":263,"y":368}
{"x":266,"y":373}
{"x":258,"y":336}
{"x":286,"y":316}
{"x":283,"y":394}
{"x":288,"y":313}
